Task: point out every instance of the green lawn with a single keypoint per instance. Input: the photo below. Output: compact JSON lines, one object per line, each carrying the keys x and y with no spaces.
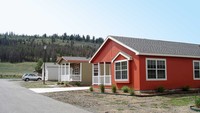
{"x":17,"y":68}
{"x":37,"y":84}
{"x":182,"y":100}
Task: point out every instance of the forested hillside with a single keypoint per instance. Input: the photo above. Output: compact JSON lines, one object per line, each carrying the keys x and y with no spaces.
{"x":20,"y":48}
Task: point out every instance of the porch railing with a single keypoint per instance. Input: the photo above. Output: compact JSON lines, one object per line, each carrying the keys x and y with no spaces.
{"x":106,"y":80}
{"x":70,"y":78}
{"x":75,"y":78}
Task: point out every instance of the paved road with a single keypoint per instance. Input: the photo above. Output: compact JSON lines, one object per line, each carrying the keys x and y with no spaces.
{"x":16,"y":99}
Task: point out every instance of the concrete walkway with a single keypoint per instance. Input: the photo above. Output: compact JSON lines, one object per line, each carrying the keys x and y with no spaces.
{"x":46,"y":90}
{"x":16,"y":99}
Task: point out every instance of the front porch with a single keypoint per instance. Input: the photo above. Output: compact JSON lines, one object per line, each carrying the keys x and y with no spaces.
{"x":70,"y":72}
{"x":101,"y":73}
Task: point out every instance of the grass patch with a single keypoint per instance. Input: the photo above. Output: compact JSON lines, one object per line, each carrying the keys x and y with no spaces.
{"x":8,"y":70}
{"x":120,"y":109}
{"x":37,"y":84}
{"x":119,"y":102}
{"x":181,"y":100}
{"x":10,"y":76}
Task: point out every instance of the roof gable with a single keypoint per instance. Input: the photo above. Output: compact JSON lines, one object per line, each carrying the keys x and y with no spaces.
{"x":128,"y":57}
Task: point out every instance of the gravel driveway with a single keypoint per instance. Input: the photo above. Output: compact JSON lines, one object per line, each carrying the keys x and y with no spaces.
{"x":16,"y":99}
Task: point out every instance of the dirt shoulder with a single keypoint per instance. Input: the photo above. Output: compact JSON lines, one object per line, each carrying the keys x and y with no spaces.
{"x":107,"y":103}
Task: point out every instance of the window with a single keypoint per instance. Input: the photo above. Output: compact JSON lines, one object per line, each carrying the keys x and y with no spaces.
{"x":196,"y":69}
{"x":121,"y":70}
{"x":156,"y":69}
{"x":76,"y":70}
{"x":96,"y":70}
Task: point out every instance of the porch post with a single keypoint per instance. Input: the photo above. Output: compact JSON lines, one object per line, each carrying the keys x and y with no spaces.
{"x":65,"y":69}
{"x":61,"y":69}
{"x":80,"y":71}
{"x":99,"y":70}
{"x":104,"y":72}
{"x":58,"y":72}
{"x":69,"y":74}
{"x":92,"y":74}
{"x":110,"y":74}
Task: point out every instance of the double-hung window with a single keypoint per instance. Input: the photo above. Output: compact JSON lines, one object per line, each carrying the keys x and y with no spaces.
{"x":156,"y":69}
{"x":196,"y":69}
{"x":95,"y":70}
{"x":121,"y":70}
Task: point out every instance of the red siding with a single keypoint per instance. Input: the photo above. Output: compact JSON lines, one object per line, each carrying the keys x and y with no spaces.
{"x":179,"y":74}
{"x":179,"y":70}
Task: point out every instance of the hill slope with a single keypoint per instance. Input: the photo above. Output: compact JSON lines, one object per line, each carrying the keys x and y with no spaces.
{"x":20,"y":48}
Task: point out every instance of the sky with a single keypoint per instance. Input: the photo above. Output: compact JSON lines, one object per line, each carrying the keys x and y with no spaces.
{"x":172,"y":20}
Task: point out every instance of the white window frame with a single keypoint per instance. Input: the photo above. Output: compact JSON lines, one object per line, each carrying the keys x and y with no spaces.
{"x":194,"y":69}
{"x":95,"y":70}
{"x":76,"y":70}
{"x":156,"y":79}
{"x":120,"y":69}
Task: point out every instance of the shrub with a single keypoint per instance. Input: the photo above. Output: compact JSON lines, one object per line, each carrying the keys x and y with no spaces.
{"x":160,"y":89}
{"x":185,"y":88}
{"x":77,"y":83}
{"x":197,"y":102}
{"x":125,"y":89}
{"x":62,"y":83}
{"x":58,"y":83}
{"x":131,"y":91}
{"x":102,"y":88}
{"x":91,"y":89}
{"x":114,"y":89}
{"x":66,"y":83}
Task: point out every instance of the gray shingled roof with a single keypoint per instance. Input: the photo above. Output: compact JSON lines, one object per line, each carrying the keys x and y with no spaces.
{"x":68,"y":58}
{"x":158,"y":47}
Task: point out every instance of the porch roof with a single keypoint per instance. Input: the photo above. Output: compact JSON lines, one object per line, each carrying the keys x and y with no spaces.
{"x":73,"y":59}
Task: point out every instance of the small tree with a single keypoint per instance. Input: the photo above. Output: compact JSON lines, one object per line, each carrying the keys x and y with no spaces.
{"x":131,"y":91}
{"x":160,"y":89}
{"x":125,"y":89}
{"x":185,"y":88}
{"x":38,"y":66}
{"x":91,"y":89}
{"x":102,"y":88}
{"x":114,"y":89}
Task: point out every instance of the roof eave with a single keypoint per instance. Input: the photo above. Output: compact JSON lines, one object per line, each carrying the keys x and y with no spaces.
{"x":168,"y":55}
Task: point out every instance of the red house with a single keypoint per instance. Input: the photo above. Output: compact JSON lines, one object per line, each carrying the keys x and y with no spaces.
{"x":145,"y":64}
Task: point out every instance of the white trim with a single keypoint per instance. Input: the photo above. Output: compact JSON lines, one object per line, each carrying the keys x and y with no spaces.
{"x":80,"y":71}
{"x":194,"y":69}
{"x":69,"y":73}
{"x":99,"y":71}
{"x":156,"y":59}
{"x":65,"y":69}
{"x":98,"y":49}
{"x":59,"y":72}
{"x":128,"y":57}
{"x":92,"y":74}
{"x":127,"y":70}
{"x":104,"y":71}
{"x":135,"y":51}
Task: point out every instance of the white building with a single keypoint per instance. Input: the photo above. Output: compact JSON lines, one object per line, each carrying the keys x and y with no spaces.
{"x":51,"y":72}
